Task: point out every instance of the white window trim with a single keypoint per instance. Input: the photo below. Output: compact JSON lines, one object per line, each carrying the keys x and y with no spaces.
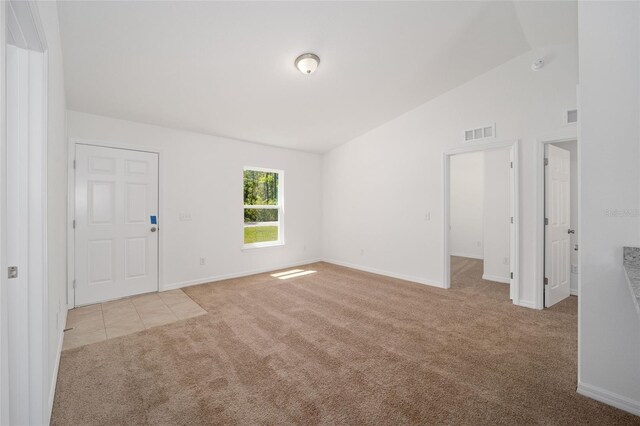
{"x":280,"y":207}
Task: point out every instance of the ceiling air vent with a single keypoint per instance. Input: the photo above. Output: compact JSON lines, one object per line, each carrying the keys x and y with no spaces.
{"x":480,"y":133}
{"x":571,"y":116}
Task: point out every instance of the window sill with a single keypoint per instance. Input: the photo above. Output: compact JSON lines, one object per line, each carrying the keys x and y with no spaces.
{"x":262,"y":245}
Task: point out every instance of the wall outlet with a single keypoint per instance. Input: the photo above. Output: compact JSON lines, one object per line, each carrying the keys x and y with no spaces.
{"x":203,"y":261}
{"x":185,"y":216}
{"x":505,"y":261}
{"x":427,"y":216}
{"x":304,"y":247}
{"x":574,"y":269}
{"x":479,"y":243}
{"x":361,"y":252}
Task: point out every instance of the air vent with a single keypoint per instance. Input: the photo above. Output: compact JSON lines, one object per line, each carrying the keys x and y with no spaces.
{"x":571,"y":116}
{"x":480,"y":133}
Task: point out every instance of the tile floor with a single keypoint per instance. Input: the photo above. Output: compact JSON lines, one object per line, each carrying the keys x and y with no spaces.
{"x":95,"y":323}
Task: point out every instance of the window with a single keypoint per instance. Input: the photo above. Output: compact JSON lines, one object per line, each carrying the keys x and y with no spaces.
{"x":263,"y":212}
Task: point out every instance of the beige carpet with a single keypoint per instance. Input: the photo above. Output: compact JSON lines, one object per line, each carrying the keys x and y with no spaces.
{"x":338,"y":347}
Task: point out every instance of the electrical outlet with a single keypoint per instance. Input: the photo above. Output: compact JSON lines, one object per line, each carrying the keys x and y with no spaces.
{"x":304,"y":247}
{"x":361,"y":252}
{"x":479,"y":243}
{"x":574,"y":269}
{"x":185,"y":216}
{"x":203,"y":261}
{"x":505,"y":261}
{"x":427,"y":216}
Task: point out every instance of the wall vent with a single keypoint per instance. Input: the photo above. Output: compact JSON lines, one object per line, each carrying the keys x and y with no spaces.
{"x":571,"y":116}
{"x":483,"y":132}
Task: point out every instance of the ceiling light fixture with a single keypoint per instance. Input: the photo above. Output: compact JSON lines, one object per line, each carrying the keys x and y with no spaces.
{"x":307,"y":63}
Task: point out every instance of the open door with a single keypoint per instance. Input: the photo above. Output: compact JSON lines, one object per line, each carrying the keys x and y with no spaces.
{"x":557,"y":257}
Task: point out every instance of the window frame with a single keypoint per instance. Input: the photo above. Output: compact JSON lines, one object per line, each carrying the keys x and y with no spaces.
{"x":279,"y":207}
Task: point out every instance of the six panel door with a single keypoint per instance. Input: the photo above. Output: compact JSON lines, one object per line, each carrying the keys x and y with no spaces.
{"x":116,"y":243}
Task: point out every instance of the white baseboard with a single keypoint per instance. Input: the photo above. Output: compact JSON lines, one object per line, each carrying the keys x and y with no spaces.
{"x":56,"y":365}
{"x":470,"y":256}
{"x":609,"y":398}
{"x":573,"y":292}
{"x":526,"y":304}
{"x":215,"y":278}
{"x":495,"y":278}
{"x":385,"y":273}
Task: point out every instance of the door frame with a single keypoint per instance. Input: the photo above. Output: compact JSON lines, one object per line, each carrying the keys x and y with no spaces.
{"x":567,"y":135}
{"x":71,"y":207}
{"x":31,"y":299}
{"x":514,"y":288}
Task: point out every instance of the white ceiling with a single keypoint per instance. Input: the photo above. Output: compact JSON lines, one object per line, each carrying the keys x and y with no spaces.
{"x":226,"y":68}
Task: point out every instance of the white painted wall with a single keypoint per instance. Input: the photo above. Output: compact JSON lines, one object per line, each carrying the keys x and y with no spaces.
{"x":497,"y":215}
{"x":407,"y":151}
{"x":572,"y":147}
{"x":56,"y":194}
{"x":202,"y":175}
{"x":466,"y":205}
{"x":609,"y":329}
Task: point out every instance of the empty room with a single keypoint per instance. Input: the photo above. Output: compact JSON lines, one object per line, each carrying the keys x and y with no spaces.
{"x":319,"y":212}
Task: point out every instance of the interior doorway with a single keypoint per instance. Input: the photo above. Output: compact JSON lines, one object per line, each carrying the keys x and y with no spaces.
{"x":560,"y":264}
{"x":481,"y":216}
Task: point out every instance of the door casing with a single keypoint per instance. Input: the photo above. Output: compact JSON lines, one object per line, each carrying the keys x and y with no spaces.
{"x":566,"y":135}
{"x":515,"y":194}
{"x":71,"y":185}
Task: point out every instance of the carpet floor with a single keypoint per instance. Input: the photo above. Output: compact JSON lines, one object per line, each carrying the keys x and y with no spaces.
{"x":338,"y":346}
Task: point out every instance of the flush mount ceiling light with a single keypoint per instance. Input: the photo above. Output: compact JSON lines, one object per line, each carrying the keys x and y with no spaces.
{"x":307,"y":63}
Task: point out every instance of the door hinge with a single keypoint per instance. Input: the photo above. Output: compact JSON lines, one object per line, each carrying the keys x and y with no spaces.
{"x":511,"y":219}
{"x":546,"y":221}
{"x":512,"y":164}
{"x":74,"y":284}
{"x":12,"y":272}
{"x":546,"y":161}
{"x":74,"y":224}
{"x":546,"y":281}
{"x":74,"y":164}
{"x":512,"y":275}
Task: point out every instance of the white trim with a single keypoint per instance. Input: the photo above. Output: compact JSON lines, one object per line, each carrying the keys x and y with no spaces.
{"x":496,"y":278}
{"x":609,"y":398}
{"x":565,"y":135}
{"x":26,"y":398}
{"x":56,"y":367}
{"x":526,"y":304}
{"x":467,"y":255}
{"x":573,"y":292}
{"x":515,"y":208}
{"x":4,"y":365}
{"x":71,"y":207}
{"x":404,"y":277}
{"x":215,"y":278}
{"x":280,"y":207}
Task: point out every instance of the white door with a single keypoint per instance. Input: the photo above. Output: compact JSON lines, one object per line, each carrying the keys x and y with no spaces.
{"x":558,"y":224}
{"x":116,"y":237}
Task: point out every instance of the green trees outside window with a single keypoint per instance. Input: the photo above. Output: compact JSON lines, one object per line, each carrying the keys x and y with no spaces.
{"x":261,"y":206}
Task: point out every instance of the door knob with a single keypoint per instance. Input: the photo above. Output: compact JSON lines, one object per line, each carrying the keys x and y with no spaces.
{"x":153,"y":229}
{"x":571,"y":231}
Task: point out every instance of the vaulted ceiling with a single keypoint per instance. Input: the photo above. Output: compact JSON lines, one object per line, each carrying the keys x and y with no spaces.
{"x":226,"y":68}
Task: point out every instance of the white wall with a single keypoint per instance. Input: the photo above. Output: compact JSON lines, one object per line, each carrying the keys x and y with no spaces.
{"x":466,"y":205}
{"x":407,"y":151}
{"x":572,"y":147}
{"x":202,"y":175}
{"x":56,"y":193}
{"x":497,"y":215}
{"x":609,"y":328}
